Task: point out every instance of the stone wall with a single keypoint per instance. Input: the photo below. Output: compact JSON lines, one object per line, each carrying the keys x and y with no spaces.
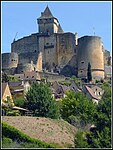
{"x":48,"y":49}
{"x":90,"y":50}
{"x":6,"y":60}
{"x":9,"y":60}
{"x":52,"y":77}
{"x":48,"y":25}
{"x":27,"y":67}
{"x":107,"y":58}
{"x":26,"y":44}
{"x":65,"y":48}
{"x":28,"y":57}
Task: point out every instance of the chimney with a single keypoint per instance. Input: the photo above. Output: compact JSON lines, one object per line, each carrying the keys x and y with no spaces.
{"x":76,"y":38}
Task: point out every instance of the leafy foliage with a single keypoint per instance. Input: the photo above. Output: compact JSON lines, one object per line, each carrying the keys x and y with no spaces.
{"x":20,"y":102}
{"x":77,"y":104}
{"x":6,"y":142}
{"x":13,"y":78}
{"x":80,"y":140}
{"x":7,"y":78}
{"x":13,"y":113}
{"x":76,"y":80}
{"x":100,"y":137}
{"x":39,"y":99}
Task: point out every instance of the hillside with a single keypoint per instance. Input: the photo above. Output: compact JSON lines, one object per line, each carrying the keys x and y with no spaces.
{"x":44,"y":129}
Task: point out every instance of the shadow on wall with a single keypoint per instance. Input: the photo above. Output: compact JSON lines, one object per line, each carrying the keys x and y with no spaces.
{"x":68,"y":71}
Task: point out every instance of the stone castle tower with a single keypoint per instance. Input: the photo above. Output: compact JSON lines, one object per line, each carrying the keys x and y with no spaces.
{"x":48,"y":23}
{"x":54,"y":50}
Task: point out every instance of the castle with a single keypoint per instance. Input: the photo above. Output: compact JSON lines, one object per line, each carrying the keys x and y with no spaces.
{"x":53,"y":50}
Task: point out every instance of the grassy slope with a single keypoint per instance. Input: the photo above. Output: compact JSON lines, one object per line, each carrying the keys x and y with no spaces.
{"x":44,"y":129}
{"x":13,"y":138}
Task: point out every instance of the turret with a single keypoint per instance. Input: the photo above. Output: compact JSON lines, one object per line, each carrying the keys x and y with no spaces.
{"x":48,"y":24}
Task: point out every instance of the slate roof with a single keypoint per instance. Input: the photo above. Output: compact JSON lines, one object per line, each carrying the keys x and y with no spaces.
{"x":91,"y":93}
{"x":16,"y":86}
{"x":46,"y":14}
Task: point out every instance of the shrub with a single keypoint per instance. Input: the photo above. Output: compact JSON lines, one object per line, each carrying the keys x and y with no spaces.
{"x":13,"y":113}
{"x":6,"y":142}
{"x":20,"y":102}
{"x":80,"y":140}
{"x":74,"y":121}
{"x":11,"y":132}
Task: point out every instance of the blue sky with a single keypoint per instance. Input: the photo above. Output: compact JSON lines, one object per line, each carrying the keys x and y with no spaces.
{"x":85,"y":18}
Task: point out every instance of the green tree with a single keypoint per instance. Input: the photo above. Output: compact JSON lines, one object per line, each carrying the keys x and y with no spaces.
{"x":20,"y":102}
{"x":77,"y":104}
{"x":39,"y":100}
{"x":89,"y":75}
{"x":102,"y":134}
{"x":100,"y":137}
{"x":80,"y":140}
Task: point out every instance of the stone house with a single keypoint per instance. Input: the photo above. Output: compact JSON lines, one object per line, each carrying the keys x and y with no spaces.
{"x":32,"y":76}
{"x":6,"y":93}
{"x":19,"y":89}
{"x":74,"y":87}
{"x":60,"y":90}
{"x":98,"y":91}
{"x":91,"y":93}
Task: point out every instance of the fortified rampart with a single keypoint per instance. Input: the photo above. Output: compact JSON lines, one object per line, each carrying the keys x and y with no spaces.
{"x":90,"y":50}
{"x":65,"y":48}
{"x":26,"y":44}
{"x":53,"y":50}
{"x":9,"y":60}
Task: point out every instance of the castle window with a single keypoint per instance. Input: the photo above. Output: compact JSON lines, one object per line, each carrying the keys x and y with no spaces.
{"x":48,"y":52}
{"x":21,"y":71}
{"x":27,"y":77}
{"x":35,"y":51}
{"x":81,"y":71}
{"x":47,"y":43}
{"x":19,"y":77}
{"x":32,"y":76}
{"x":82,"y":62}
{"x":12,"y":60}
